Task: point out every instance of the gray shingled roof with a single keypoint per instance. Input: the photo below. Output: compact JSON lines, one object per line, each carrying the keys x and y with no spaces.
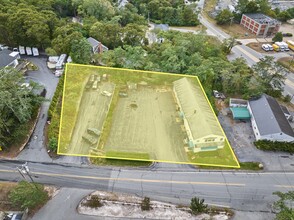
{"x":95,"y":43}
{"x":201,"y":119}
{"x":5,"y":59}
{"x":269,"y":117}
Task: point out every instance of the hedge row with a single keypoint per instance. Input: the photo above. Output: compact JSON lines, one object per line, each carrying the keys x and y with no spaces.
{"x":275,"y":146}
{"x":54,"y":115}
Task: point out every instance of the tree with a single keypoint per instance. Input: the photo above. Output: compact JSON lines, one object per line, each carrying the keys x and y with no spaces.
{"x":224,"y":17}
{"x":134,"y":35}
{"x":284,"y":205}
{"x":228,"y":44}
{"x":101,"y":9}
{"x":110,"y":34}
{"x":17,"y":104}
{"x":81,"y":51}
{"x":271,"y":74}
{"x":197,"y":206}
{"x":284,"y":16}
{"x":28,"y":195}
{"x":64,"y":37}
{"x":278,"y":37}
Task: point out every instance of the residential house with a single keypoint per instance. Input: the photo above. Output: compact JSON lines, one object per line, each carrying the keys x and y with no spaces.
{"x":97,"y":47}
{"x":8,"y":58}
{"x":269,"y":121}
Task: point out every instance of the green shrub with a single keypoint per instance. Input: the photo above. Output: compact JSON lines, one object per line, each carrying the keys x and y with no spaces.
{"x":28,"y":195}
{"x":275,"y":146}
{"x":53,"y":143}
{"x":145,"y":205}
{"x":197,"y":206}
{"x":94,"y":202}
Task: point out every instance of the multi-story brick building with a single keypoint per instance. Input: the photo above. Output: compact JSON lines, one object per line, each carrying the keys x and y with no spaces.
{"x":260,"y":24}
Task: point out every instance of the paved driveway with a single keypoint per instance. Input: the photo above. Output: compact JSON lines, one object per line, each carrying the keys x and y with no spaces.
{"x":241,"y":137}
{"x":35,"y":150}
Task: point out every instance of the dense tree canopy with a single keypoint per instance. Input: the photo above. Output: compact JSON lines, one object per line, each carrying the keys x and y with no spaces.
{"x":17,"y":104}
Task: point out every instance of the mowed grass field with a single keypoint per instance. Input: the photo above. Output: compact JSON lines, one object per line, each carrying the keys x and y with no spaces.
{"x":142,"y":126}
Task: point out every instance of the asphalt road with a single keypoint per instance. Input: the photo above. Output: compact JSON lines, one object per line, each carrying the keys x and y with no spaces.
{"x":239,"y":190}
{"x":250,"y":55}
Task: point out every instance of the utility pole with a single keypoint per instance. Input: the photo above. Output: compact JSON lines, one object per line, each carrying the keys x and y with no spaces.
{"x":24,"y":170}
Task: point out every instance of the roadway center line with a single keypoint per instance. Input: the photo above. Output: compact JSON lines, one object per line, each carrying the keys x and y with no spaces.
{"x":247,"y":54}
{"x":131,"y":179}
{"x":284,"y":186}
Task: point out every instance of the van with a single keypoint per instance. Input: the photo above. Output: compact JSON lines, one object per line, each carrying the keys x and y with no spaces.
{"x":270,"y":47}
{"x":265,"y":47}
{"x":276,"y":47}
{"x":95,"y":85}
{"x":285,"y":46}
{"x":281,"y":46}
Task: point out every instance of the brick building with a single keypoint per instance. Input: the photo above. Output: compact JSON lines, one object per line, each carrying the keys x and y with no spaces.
{"x":260,"y":24}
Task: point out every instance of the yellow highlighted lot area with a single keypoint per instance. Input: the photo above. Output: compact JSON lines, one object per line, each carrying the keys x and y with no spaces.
{"x":140,"y":115}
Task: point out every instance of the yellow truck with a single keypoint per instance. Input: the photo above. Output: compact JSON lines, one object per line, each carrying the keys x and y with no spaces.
{"x":276,"y":47}
{"x":290,"y":44}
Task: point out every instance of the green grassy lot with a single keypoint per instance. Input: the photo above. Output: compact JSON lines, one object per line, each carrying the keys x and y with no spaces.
{"x":76,"y":78}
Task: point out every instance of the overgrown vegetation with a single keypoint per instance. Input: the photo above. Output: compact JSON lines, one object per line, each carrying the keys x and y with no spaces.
{"x":145,"y":204}
{"x":54,"y":115}
{"x":197,"y":206}
{"x":18,"y":105}
{"x":284,"y":205}
{"x":275,"y":146}
{"x":28,"y":195}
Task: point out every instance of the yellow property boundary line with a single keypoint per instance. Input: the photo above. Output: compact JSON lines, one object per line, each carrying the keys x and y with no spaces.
{"x":154,"y":72}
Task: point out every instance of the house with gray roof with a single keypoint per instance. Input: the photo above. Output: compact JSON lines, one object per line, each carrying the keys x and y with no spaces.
{"x":269,"y":121}
{"x":97,"y":47}
{"x":8,"y":58}
{"x":203,"y":130}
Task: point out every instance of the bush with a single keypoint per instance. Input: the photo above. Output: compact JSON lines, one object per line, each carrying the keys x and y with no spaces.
{"x":28,"y":195}
{"x":275,"y":146}
{"x":278,"y":37}
{"x":94,"y":202}
{"x":53,"y":143}
{"x":145,"y":205}
{"x":197,"y":206}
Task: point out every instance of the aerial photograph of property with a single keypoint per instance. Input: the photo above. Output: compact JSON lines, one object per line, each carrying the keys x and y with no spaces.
{"x":147,"y":109}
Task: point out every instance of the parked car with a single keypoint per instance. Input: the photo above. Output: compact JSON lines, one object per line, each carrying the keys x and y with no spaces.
{"x":265,"y":47}
{"x":106,"y":93}
{"x":270,"y":47}
{"x":218,"y":94}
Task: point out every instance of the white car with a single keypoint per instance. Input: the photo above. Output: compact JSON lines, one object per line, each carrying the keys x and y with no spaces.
{"x":265,"y":47}
{"x":270,"y":47}
{"x":105,"y":93}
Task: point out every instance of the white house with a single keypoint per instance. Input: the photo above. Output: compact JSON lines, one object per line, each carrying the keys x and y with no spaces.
{"x":8,"y":58}
{"x":201,"y":125}
{"x":97,"y":47}
{"x":269,"y":121}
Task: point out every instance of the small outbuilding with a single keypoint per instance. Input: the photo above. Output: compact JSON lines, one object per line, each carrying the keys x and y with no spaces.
{"x":240,"y":113}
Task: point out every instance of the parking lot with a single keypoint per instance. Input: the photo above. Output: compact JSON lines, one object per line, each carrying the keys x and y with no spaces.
{"x":146,"y":122}
{"x":241,"y":137}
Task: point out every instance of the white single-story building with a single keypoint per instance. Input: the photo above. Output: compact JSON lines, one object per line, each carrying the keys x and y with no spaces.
{"x":203,"y":131}
{"x":269,"y":121}
{"x":8,"y":58}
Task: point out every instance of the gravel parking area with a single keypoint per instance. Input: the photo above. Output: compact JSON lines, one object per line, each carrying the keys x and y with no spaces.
{"x":241,"y":137}
{"x":146,"y":122}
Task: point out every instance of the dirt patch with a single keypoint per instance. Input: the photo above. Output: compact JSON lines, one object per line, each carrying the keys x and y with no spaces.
{"x":257,"y":47}
{"x":127,"y":206}
{"x":145,"y":122}
{"x":237,"y":31}
{"x":5,"y":189}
